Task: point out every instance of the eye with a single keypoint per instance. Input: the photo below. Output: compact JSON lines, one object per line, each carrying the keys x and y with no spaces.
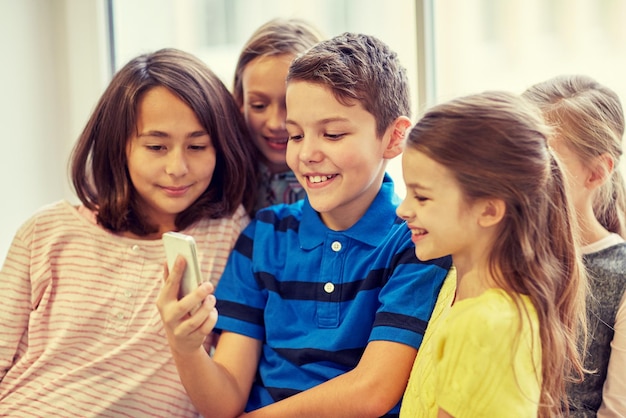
{"x":197,"y":147}
{"x":258,"y":106}
{"x":296,"y":137}
{"x":155,"y":147}
{"x":420,"y":198}
{"x":334,"y":137}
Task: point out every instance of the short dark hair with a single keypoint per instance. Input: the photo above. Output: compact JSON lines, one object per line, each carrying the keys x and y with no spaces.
{"x":358,"y":68}
{"x":99,"y":165}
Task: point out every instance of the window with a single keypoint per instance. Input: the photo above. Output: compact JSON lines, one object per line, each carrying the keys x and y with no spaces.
{"x":450,"y":47}
{"x":215,"y":30}
{"x":512,"y":44}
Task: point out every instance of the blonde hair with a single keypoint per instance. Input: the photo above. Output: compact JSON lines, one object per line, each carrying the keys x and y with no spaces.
{"x":275,"y":37}
{"x":590,"y":118}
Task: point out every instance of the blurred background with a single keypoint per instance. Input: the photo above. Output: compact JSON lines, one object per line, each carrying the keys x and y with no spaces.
{"x":58,"y":56}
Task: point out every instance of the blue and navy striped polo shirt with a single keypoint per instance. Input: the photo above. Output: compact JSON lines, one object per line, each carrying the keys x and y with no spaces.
{"x":316,"y":297}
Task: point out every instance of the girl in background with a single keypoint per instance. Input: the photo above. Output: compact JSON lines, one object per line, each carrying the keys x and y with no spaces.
{"x":79,"y":330}
{"x":588,"y":122}
{"x":483,"y":186}
{"x":259,"y":89}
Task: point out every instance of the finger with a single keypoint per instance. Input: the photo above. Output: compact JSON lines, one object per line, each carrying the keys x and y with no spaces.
{"x":193,"y":301}
{"x":172,"y":281}
{"x":197,"y":321}
{"x":166,"y":271}
{"x":169,"y":290}
{"x":207,"y":326}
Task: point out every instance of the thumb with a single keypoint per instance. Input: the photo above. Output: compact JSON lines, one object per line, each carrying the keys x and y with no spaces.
{"x":172,"y":278}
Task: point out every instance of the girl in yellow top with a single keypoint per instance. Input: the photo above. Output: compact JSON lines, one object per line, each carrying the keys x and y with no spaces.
{"x":483,"y":186}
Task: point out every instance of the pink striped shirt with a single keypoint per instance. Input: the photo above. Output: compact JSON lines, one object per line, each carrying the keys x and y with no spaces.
{"x":80,"y":334}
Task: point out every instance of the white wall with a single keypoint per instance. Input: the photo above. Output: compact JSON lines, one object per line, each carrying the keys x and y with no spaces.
{"x":53,"y":70}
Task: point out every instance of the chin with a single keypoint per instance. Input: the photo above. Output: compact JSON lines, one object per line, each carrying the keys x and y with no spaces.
{"x":320,"y":206}
{"x":425,"y":255}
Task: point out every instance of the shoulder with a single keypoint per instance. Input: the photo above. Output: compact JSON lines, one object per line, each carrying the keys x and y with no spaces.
{"x":54,"y":216}
{"x":281,"y":210}
{"x":613,"y":255}
{"x":280,"y":217}
{"x":493,"y":313}
{"x":608,"y":265}
{"x":55,"y":208}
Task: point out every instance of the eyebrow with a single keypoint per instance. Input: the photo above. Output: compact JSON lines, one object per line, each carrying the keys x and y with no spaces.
{"x":417,"y":186}
{"x":322,"y":121}
{"x":162,"y":134}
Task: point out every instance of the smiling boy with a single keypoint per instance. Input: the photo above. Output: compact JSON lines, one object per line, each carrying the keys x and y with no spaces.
{"x":323,"y":304}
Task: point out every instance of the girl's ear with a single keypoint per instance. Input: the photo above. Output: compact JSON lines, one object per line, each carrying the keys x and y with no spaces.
{"x":491,"y":212}
{"x":397,"y":132}
{"x":601,"y":169}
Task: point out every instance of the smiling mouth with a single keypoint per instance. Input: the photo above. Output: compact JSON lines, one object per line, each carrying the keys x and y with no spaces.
{"x":277,"y":141}
{"x":176,"y":191}
{"x":320,"y":179}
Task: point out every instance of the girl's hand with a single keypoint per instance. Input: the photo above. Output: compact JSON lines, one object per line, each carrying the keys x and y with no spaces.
{"x":185,"y":332}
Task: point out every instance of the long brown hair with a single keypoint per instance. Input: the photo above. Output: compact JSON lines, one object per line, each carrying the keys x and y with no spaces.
{"x":590,"y":118}
{"x":495,"y":144}
{"x":98,"y":164}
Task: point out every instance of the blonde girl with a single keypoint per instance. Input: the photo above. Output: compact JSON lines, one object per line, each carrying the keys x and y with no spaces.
{"x":588,"y":122}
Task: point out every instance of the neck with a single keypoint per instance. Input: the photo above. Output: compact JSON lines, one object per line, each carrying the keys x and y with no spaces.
{"x":473,"y":282}
{"x":589,"y":228}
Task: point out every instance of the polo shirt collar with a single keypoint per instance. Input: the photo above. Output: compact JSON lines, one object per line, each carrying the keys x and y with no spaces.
{"x":371,"y":229}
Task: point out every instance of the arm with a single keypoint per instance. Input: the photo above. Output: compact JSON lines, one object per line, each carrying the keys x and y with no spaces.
{"x":614,"y":392}
{"x":371,"y":389}
{"x":218,"y":386}
{"x":15,"y":308}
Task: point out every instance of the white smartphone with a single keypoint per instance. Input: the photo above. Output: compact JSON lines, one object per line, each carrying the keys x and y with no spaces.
{"x":176,"y":244}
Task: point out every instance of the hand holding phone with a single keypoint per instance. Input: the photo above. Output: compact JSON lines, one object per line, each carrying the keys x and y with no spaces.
{"x":176,"y":244}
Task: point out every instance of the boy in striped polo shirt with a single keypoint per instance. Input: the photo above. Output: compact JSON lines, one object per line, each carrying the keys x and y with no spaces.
{"x":323,"y":304}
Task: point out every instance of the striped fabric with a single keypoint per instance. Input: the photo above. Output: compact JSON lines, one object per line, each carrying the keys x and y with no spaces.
{"x":276,"y":188}
{"x":80,"y":334}
{"x":316,"y":297}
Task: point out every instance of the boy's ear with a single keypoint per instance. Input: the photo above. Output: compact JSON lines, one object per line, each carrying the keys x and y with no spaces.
{"x":397,"y":131}
{"x":600,"y":170}
{"x":491,"y":212}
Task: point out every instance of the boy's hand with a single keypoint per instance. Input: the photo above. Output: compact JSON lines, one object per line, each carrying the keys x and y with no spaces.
{"x":185,"y":332}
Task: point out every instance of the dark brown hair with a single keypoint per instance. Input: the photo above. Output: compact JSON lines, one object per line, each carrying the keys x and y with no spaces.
{"x":358,"y":68}
{"x":99,"y":167}
{"x":495,"y":144}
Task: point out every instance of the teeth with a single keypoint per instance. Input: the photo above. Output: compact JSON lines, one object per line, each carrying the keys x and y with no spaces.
{"x":319,"y":179}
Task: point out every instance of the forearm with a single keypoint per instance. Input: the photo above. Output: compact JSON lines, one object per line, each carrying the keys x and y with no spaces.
{"x":370,"y":390}
{"x":210,"y":386}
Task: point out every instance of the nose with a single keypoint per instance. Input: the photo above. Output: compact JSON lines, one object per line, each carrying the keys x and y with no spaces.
{"x":176,"y":163}
{"x":276,"y":118}
{"x":309,"y":150}
{"x":403,"y":210}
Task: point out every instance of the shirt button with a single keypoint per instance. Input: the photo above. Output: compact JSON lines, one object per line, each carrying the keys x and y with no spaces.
{"x":329,"y":287}
{"x":135,"y":248}
{"x":120,"y":315}
{"x":336,"y":246}
{"x":128,"y":293}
